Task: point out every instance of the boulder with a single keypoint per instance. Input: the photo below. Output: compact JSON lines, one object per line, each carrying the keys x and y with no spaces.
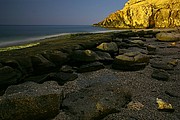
{"x":56,"y":57}
{"x":41,"y":64}
{"x":84,"y":56}
{"x":104,"y":56}
{"x":31,"y":101}
{"x":60,"y":77}
{"x":168,"y":37}
{"x":108,"y":47}
{"x":66,"y":69}
{"x":130,"y":61}
{"x":160,"y":74}
{"x":90,"y":67}
{"x":96,"y":101}
{"x":9,"y":76}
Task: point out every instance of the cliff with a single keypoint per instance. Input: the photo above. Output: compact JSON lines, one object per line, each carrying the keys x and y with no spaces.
{"x":145,"y":14}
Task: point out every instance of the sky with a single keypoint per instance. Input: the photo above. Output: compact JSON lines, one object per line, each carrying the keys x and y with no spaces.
{"x":56,"y":12}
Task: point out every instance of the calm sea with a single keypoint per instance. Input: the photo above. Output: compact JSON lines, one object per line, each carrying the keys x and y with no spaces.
{"x":12,"y":34}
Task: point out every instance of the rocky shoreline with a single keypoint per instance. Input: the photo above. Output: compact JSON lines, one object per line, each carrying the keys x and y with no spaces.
{"x":122,"y":75}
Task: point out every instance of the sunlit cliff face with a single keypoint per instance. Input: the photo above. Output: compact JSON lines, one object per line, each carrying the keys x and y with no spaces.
{"x":145,"y":14}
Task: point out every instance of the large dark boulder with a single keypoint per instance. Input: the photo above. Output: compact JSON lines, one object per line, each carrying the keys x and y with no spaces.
{"x":90,"y":67}
{"x":95,"y":102}
{"x":130,"y":61}
{"x":41,"y":64}
{"x":56,"y":57}
{"x":9,"y":76}
{"x":84,"y":56}
{"x":31,"y":101}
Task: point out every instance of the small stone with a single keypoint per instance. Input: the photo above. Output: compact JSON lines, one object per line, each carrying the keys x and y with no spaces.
{"x":164,"y":106}
{"x":173,"y":62}
{"x":135,"y":106}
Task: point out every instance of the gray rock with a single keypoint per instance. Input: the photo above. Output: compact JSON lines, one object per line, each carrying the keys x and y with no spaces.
{"x":31,"y":101}
{"x":96,"y":102}
{"x":9,"y":76}
{"x":60,"y":77}
{"x":56,"y":57}
{"x":104,"y":56}
{"x":66,"y":69}
{"x":130,"y":61}
{"x":161,"y":65}
{"x":160,"y":74}
{"x":84,"y":56}
{"x":139,"y":42}
{"x":41,"y":64}
{"x":108,"y":47}
{"x":90,"y":67}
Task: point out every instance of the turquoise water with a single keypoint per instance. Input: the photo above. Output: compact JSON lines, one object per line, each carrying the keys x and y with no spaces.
{"x":10,"y":34}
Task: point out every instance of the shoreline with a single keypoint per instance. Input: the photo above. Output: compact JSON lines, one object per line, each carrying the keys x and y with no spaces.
{"x":14,"y":43}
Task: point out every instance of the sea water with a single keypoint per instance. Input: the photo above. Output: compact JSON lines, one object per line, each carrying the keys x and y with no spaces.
{"x":14,"y":34}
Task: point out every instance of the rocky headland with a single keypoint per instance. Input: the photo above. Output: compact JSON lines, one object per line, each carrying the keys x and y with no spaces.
{"x":122,"y":75}
{"x":145,"y":14}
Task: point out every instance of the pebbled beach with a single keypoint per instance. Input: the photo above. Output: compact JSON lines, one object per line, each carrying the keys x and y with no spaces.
{"x":117,"y":75}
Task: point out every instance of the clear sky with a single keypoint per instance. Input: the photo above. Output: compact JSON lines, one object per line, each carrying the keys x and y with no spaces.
{"x":56,"y":12}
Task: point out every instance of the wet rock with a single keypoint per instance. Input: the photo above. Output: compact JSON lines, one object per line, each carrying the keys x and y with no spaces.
{"x":96,"y":102}
{"x":9,"y":76}
{"x":130,"y":61}
{"x":56,"y":57}
{"x":31,"y":101}
{"x":41,"y":64}
{"x":160,"y":74}
{"x":60,"y":77}
{"x":90,"y":67}
{"x":66,"y":69}
{"x":108,"y":47}
{"x":84,"y":56}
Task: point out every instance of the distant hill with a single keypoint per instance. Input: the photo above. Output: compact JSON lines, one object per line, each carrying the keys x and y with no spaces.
{"x":145,"y":14}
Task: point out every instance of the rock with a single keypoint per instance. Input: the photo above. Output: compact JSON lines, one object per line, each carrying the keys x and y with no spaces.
{"x":41,"y":64}
{"x":145,"y":14}
{"x":63,"y":116}
{"x":31,"y":101}
{"x":160,"y":74}
{"x":168,"y":37}
{"x":161,"y":65}
{"x":137,"y":49}
{"x":104,"y":56}
{"x":1,"y":65}
{"x":164,"y":106}
{"x":66,"y":69}
{"x":96,"y":102}
{"x":60,"y":77}
{"x":139,"y":42}
{"x":135,"y":106}
{"x":84,"y":56}
{"x":56,"y":57}
{"x":151,"y":48}
{"x":90,"y":67}
{"x":9,"y":76}
{"x":130,"y":61}
{"x":108,"y":47}
{"x":173,"y":62}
